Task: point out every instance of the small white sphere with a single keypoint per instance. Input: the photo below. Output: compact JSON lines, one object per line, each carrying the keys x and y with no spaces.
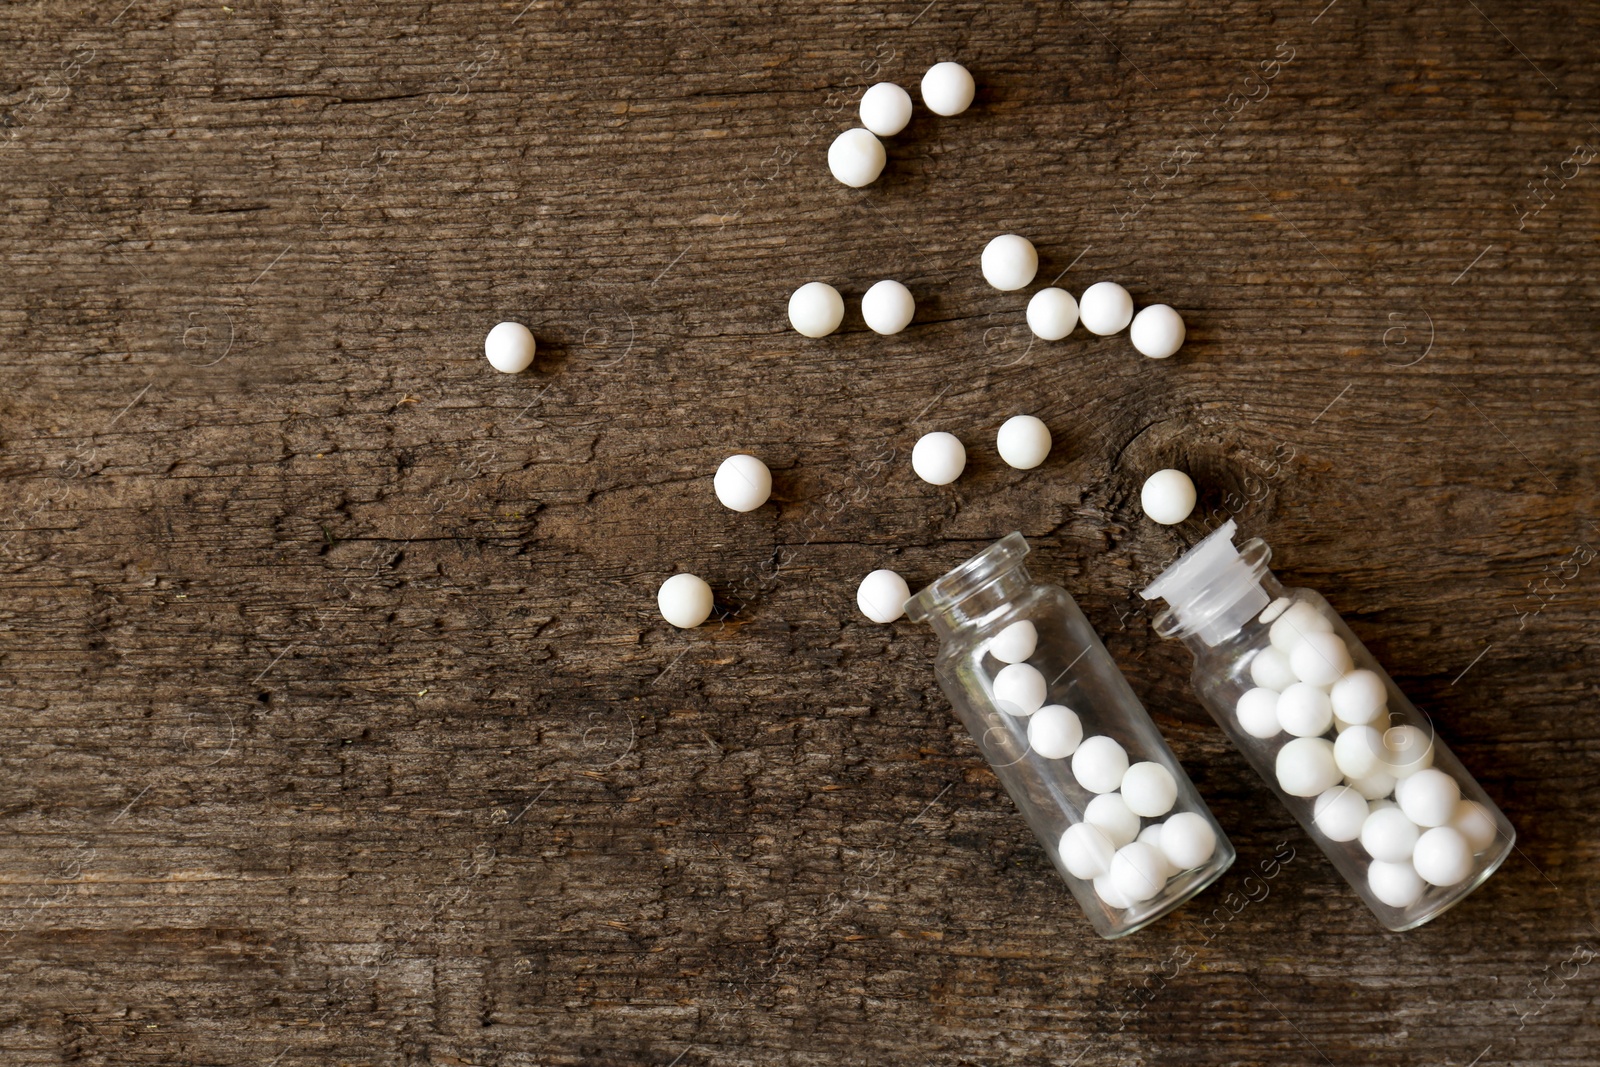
{"x":938,"y":458}
{"x":1023,"y":442}
{"x":1019,"y":689}
{"x":1052,"y":313}
{"x":1105,"y":308}
{"x":1149,"y":789}
{"x":1442,"y":856}
{"x":1378,"y":784}
{"x":1305,"y":710}
{"x":1009,"y":262}
{"x":1340,"y":813}
{"x":1257,"y":712}
{"x":1407,"y":750}
{"x":888,"y":307}
{"x":816,"y":309}
{"x":509,"y":348}
{"x":948,"y":89}
{"x":856,"y":157}
{"x":1396,"y":884}
{"x":1138,"y":871}
{"x":1428,"y":797}
{"x":1157,"y":331}
{"x":743,"y":483}
{"x":1273,"y":610}
{"x":1359,"y":696}
{"x":1151,"y":835}
{"x":1300,"y":619}
{"x":1270,"y":670}
{"x":885,"y":109}
{"x":1473,"y":821}
{"x":685,"y":601}
{"x":1187,"y":840}
{"x":1110,"y":812}
{"x":1320,"y":659}
{"x":1359,"y":752}
{"x":1099,"y":764}
{"x":1388,"y":835}
{"x":1086,"y":851}
{"x":1015,"y":643}
{"x":1168,"y":497}
{"x":1305,"y":767}
{"x":882,"y":596}
{"x":1107,"y":890}
{"x":1055,"y":732}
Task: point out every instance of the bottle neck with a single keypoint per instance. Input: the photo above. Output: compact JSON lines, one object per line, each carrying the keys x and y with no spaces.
{"x":978,"y":588}
{"x":992,"y":596}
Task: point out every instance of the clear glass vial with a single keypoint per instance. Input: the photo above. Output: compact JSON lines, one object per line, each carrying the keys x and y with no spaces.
{"x":1351,"y":758}
{"x":1071,"y":743}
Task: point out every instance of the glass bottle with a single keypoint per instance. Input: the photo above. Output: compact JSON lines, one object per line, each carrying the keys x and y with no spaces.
{"x":1071,"y":743}
{"x":1351,"y":758}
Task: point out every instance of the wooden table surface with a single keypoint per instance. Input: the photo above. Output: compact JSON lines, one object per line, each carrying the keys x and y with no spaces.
{"x":340,"y":725}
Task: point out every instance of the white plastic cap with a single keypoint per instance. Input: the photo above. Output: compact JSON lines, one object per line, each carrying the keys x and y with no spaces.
{"x":1211,"y":590}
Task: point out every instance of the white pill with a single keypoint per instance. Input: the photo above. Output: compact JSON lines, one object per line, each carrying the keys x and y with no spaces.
{"x":856,"y":157}
{"x":948,"y":89}
{"x":1428,"y":797}
{"x":1149,"y":789}
{"x":1019,"y":689}
{"x":1054,"y":732}
{"x":1151,"y":835}
{"x":1359,"y":696}
{"x":1023,"y":442}
{"x":1388,"y":835}
{"x":1442,"y":856}
{"x":885,"y":109}
{"x":1407,"y":750}
{"x":888,"y":307}
{"x":1257,"y":712}
{"x":684,"y":600}
{"x":1105,"y":308}
{"x":509,"y":348}
{"x":1009,"y":262}
{"x":1378,"y":784}
{"x":1157,"y":331}
{"x":1273,"y":610}
{"x":1111,"y":813}
{"x":1052,"y":313}
{"x":1099,"y":764}
{"x":882,"y":596}
{"x":1300,"y":619}
{"x":1474,"y":823}
{"x":1396,"y":884}
{"x":1086,"y":851}
{"x":1138,"y":871}
{"x":1340,"y":813}
{"x":743,"y":483}
{"x":1305,"y":710}
{"x":1168,"y":497}
{"x":1359,"y":752}
{"x":1305,"y":767}
{"x":816,"y":309}
{"x":1187,"y":840}
{"x":1106,"y":889}
{"x":1015,"y":643}
{"x":1270,"y":669}
{"x":1320,"y":659}
{"x":938,"y":458}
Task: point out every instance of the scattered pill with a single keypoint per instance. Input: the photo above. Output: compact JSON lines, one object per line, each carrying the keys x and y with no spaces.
{"x":1099,"y":764}
{"x":885,"y":109}
{"x":1270,"y":669}
{"x":1428,"y":798}
{"x":1019,"y":689}
{"x":1187,"y":840}
{"x":882,"y":596}
{"x":938,"y":458}
{"x":1305,"y":767}
{"x":948,"y":89}
{"x":685,"y":601}
{"x":1340,"y":813}
{"x":1300,"y":619}
{"x":1358,"y":751}
{"x":1475,"y":824}
{"x":509,"y":348}
{"x":888,"y":307}
{"x":1442,"y":856}
{"x":1407,"y":750}
{"x":1015,"y":643}
{"x":1157,"y":331}
{"x":743,"y":483}
{"x":1257,"y":712}
{"x":1055,"y":732}
{"x":1023,"y":442}
{"x":1106,"y":889}
{"x":1105,"y":308}
{"x":1009,"y":262}
{"x":1168,"y":497}
{"x":1052,"y":313}
{"x":1388,"y":835}
{"x":1304,"y":710}
{"x":1086,"y":851}
{"x":1149,"y":789}
{"x":816,"y":309}
{"x":1396,"y":884}
{"x":1320,"y":659}
{"x":1138,"y":871}
{"x":1358,"y":696}
{"x":1110,"y":812}
{"x":856,"y":157}
{"x":1379,"y":783}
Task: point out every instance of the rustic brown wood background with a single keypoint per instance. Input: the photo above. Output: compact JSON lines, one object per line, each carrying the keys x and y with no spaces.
{"x":339,"y":725}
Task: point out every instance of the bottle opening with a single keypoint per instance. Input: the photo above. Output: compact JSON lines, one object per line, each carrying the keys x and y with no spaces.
{"x":1213,"y":589}
{"x":968,"y":578}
